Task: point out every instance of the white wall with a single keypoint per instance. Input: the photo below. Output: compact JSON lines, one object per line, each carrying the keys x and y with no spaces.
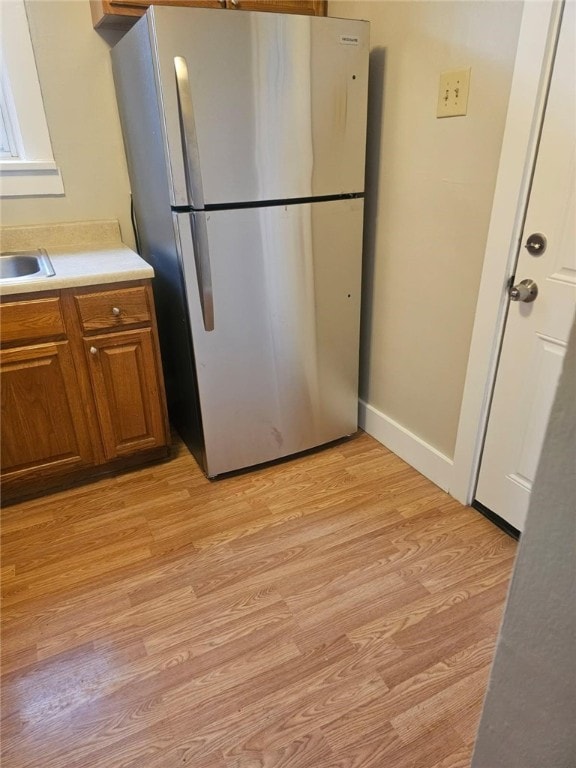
{"x":75,"y":75}
{"x":430,"y":185}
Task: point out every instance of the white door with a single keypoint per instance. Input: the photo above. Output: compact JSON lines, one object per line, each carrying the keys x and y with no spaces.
{"x":536,"y":330}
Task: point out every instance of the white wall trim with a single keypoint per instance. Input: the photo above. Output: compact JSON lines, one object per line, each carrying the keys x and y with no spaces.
{"x":405,"y":444}
{"x":538,"y":34}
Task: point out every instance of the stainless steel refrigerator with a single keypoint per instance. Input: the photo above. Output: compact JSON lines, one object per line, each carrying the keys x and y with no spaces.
{"x":245,"y":138}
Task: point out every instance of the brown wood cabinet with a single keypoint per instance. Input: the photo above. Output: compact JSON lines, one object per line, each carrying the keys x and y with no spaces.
{"x":123,"y":13}
{"x":82,"y":389}
{"x":306,"y":7}
{"x":43,"y":423}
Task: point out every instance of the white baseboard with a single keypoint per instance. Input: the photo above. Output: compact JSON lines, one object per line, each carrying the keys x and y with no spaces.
{"x":405,"y":444}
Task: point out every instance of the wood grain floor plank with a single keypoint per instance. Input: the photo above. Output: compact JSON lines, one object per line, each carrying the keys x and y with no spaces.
{"x":147,"y":748}
{"x":216,"y":613}
{"x":343,"y":613}
{"x":312,"y":711}
{"x":124,"y":715}
{"x":258,"y":696}
{"x":109,"y":726}
{"x":360,"y":724}
{"x":458,"y":759}
{"x":336,"y":610}
{"x":468,"y":719}
{"x":410,"y":614}
{"x":419,"y":657}
{"x":73,"y":569}
{"x":437,"y":625}
{"x":123,"y":622}
{"x":431,"y":684}
{"x":382,"y":747}
{"x":14,"y":659}
{"x":492,"y":553}
{"x":310,"y":749}
{"x":443,"y":708}
{"x":290,"y":550}
{"x":36,"y":558}
{"x":493,"y":617}
{"x":429,"y":748}
{"x":424,"y":685}
{"x":290,"y":693}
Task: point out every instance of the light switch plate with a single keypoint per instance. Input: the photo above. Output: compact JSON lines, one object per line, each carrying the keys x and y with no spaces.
{"x":453,"y":93}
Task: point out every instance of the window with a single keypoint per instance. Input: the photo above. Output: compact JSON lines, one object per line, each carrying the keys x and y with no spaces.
{"x":7,"y":144}
{"x":27,"y":164}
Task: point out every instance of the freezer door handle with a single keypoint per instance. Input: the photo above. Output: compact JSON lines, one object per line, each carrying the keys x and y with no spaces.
{"x":188,"y":136}
{"x":202,"y":264}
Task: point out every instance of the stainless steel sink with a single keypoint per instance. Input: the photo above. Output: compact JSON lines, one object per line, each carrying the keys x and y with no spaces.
{"x":18,"y":266}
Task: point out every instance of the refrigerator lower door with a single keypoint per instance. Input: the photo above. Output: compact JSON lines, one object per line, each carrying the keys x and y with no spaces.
{"x":278,"y":373}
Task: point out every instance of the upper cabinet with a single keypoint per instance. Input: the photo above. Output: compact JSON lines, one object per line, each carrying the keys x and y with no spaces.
{"x":309,"y":7}
{"x":123,"y":13}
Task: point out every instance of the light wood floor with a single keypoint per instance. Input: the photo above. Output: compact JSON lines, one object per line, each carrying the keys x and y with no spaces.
{"x":333,"y":611}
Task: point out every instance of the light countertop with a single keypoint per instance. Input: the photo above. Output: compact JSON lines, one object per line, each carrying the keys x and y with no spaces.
{"x":81,"y":253}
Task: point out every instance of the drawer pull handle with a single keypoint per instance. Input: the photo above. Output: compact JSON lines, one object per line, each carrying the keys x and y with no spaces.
{"x":116,"y":311}
{"x":93,"y":351}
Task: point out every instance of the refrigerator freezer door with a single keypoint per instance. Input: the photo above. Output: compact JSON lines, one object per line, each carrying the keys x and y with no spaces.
{"x":259,"y":106}
{"x":278,"y":374}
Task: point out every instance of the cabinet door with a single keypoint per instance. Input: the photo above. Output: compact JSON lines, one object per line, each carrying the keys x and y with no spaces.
{"x":43,"y":428}
{"x":308,"y":7}
{"x":125,"y":380}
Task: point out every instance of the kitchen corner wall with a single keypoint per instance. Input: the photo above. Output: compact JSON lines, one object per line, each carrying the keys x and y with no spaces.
{"x":75,"y":74}
{"x":430,"y":184}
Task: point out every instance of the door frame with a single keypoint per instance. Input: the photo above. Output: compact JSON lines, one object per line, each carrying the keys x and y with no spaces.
{"x":539,"y":30}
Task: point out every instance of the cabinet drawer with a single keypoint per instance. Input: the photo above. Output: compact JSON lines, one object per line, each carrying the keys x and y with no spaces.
{"x":29,"y":320}
{"x":115,"y":309}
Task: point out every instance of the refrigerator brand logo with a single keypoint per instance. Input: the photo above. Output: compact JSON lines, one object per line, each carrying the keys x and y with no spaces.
{"x":349,"y":40}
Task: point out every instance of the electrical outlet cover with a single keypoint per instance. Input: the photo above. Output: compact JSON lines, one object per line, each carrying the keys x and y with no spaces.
{"x":453,"y":93}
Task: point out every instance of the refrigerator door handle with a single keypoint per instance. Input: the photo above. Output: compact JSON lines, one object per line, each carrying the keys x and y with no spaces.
{"x":188,"y":136}
{"x":203,"y":271}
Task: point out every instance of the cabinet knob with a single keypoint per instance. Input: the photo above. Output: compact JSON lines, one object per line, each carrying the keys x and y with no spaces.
{"x":116,"y":311}
{"x":93,"y":351}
